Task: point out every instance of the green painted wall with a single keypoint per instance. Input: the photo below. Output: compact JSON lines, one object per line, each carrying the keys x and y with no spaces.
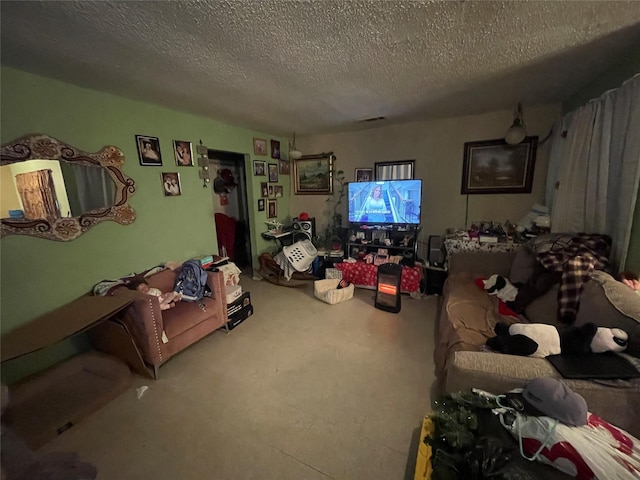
{"x":40,"y":275}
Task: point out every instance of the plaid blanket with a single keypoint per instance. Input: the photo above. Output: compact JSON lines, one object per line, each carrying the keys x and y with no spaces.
{"x":576,"y":257}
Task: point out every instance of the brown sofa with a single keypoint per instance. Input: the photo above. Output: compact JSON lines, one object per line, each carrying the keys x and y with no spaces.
{"x":468,"y":315}
{"x":160,"y":334}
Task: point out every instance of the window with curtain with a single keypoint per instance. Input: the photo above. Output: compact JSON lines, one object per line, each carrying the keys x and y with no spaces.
{"x":594,"y":168}
{"x":401,"y":170}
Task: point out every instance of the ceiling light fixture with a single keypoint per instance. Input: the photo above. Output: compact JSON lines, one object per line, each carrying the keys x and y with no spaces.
{"x":294,"y":153}
{"x":517,"y":131}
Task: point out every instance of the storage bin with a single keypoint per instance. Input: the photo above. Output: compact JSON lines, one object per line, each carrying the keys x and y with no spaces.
{"x":327,"y":291}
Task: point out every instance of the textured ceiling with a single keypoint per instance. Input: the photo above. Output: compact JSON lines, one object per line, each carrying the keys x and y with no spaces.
{"x":320,"y":66}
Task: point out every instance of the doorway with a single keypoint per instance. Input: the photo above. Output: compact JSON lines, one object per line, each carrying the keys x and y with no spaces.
{"x":231,"y":207}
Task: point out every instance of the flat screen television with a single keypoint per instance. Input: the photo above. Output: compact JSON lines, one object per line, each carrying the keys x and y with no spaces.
{"x":385,"y":202}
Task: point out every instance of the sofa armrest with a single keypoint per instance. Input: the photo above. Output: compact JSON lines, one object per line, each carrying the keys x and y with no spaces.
{"x":144,"y":321}
{"x":215,"y":280}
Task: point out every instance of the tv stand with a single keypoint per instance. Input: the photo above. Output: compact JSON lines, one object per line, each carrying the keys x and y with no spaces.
{"x":397,"y":239}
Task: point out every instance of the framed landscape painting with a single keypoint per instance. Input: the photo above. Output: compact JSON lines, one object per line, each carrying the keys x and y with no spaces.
{"x":494,"y":166}
{"x":313,"y":175}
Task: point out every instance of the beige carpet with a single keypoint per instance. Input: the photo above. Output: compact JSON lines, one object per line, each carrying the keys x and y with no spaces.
{"x":300,"y":390}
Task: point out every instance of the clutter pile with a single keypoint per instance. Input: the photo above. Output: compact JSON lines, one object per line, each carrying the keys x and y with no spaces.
{"x":239,"y":306}
{"x":464,"y":437}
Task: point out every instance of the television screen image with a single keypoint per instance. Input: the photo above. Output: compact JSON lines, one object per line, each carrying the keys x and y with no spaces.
{"x":389,"y":201}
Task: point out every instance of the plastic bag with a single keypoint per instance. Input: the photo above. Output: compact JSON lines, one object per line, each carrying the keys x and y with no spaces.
{"x":597,"y":450}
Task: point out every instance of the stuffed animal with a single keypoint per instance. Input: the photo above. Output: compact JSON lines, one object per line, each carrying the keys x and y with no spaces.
{"x":541,"y":340}
{"x":501,"y":287}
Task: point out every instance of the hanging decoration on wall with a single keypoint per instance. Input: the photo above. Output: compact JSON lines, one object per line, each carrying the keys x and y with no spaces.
{"x":203,"y":163}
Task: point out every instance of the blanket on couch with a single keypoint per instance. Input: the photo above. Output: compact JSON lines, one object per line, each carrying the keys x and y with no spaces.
{"x":576,"y":257}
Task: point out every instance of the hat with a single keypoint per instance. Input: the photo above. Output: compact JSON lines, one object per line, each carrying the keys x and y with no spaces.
{"x":554,"y":399}
{"x":303,"y":216}
{"x":227,"y":177}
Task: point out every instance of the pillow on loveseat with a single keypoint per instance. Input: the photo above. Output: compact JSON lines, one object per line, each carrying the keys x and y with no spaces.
{"x":523,"y":266}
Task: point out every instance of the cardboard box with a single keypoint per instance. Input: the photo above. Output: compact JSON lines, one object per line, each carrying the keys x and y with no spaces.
{"x":239,"y":310}
{"x":240,"y":316}
{"x":238,"y":304}
{"x":233,"y":292}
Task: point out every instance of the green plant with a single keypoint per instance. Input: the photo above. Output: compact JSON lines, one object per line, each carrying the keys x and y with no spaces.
{"x":334,"y":225}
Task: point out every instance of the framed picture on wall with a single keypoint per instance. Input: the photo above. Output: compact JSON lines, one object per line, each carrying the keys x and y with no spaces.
{"x":275,"y":149}
{"x":149,"y":150}
{"x":259,"y":146}
{"x":313,"y":175}
{"x":272,"y":208}
{"x":278,"y":191}
{"x":264,"y":189}
{"x":171,"y":184}
{"x":273,"y":172}
{"x":261,"y":204}
{"x":259,"y":168}
{"x":270,"y":190}
{"x":494,"y":166}
{"x":183,"y":153}
{"x":364,"y":175}
{"x":285,"y":167}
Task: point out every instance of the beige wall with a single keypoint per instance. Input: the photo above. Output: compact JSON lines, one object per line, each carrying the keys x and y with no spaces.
{"x":437,"y":147}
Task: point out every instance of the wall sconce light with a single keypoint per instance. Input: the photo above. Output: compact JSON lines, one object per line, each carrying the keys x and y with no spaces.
{"x":294,"y":153}
{"x":517,"y":131}
{"x":203,"y":163}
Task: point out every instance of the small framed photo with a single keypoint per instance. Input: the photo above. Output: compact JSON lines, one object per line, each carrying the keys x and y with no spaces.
{"x":272,"y":208}
{"x":259,"y":146}
{"x":270,"y":190}
{"x":259,"y":168}
{"x":149,"y":150}
{"x":364,"y":175}
{"x":171,"y":184}
{"x":275,"y":149}
{"x":261,"y":204}
{"x":264,"y":189}
{"x":278,"y":191}
{"x":285,"y":167}
{"x":183,"y":153}
{"x":273,"y":172}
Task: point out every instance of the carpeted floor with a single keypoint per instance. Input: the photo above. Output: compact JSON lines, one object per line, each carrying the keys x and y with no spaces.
{"x":300,"y":390}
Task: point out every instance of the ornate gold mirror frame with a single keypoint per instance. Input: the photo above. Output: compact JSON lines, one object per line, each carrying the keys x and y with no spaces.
{"x":43,"y":147}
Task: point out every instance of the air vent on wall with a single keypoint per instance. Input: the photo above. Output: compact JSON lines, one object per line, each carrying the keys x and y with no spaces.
{"x":372,"y":119}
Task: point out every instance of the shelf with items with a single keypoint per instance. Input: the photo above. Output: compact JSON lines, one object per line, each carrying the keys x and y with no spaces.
{"x":381,"y":240}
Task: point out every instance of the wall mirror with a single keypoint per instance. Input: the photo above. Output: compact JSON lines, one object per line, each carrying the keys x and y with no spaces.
{"x":400,"y":170}
{"x":52,"y":190}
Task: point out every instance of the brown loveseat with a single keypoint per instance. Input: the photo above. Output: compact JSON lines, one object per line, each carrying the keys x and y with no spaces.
{"x":468,"y":315}
{"x":160,"y":334}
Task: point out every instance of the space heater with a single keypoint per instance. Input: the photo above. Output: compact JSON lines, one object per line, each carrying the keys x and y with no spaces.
{"x":388,"y":287}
